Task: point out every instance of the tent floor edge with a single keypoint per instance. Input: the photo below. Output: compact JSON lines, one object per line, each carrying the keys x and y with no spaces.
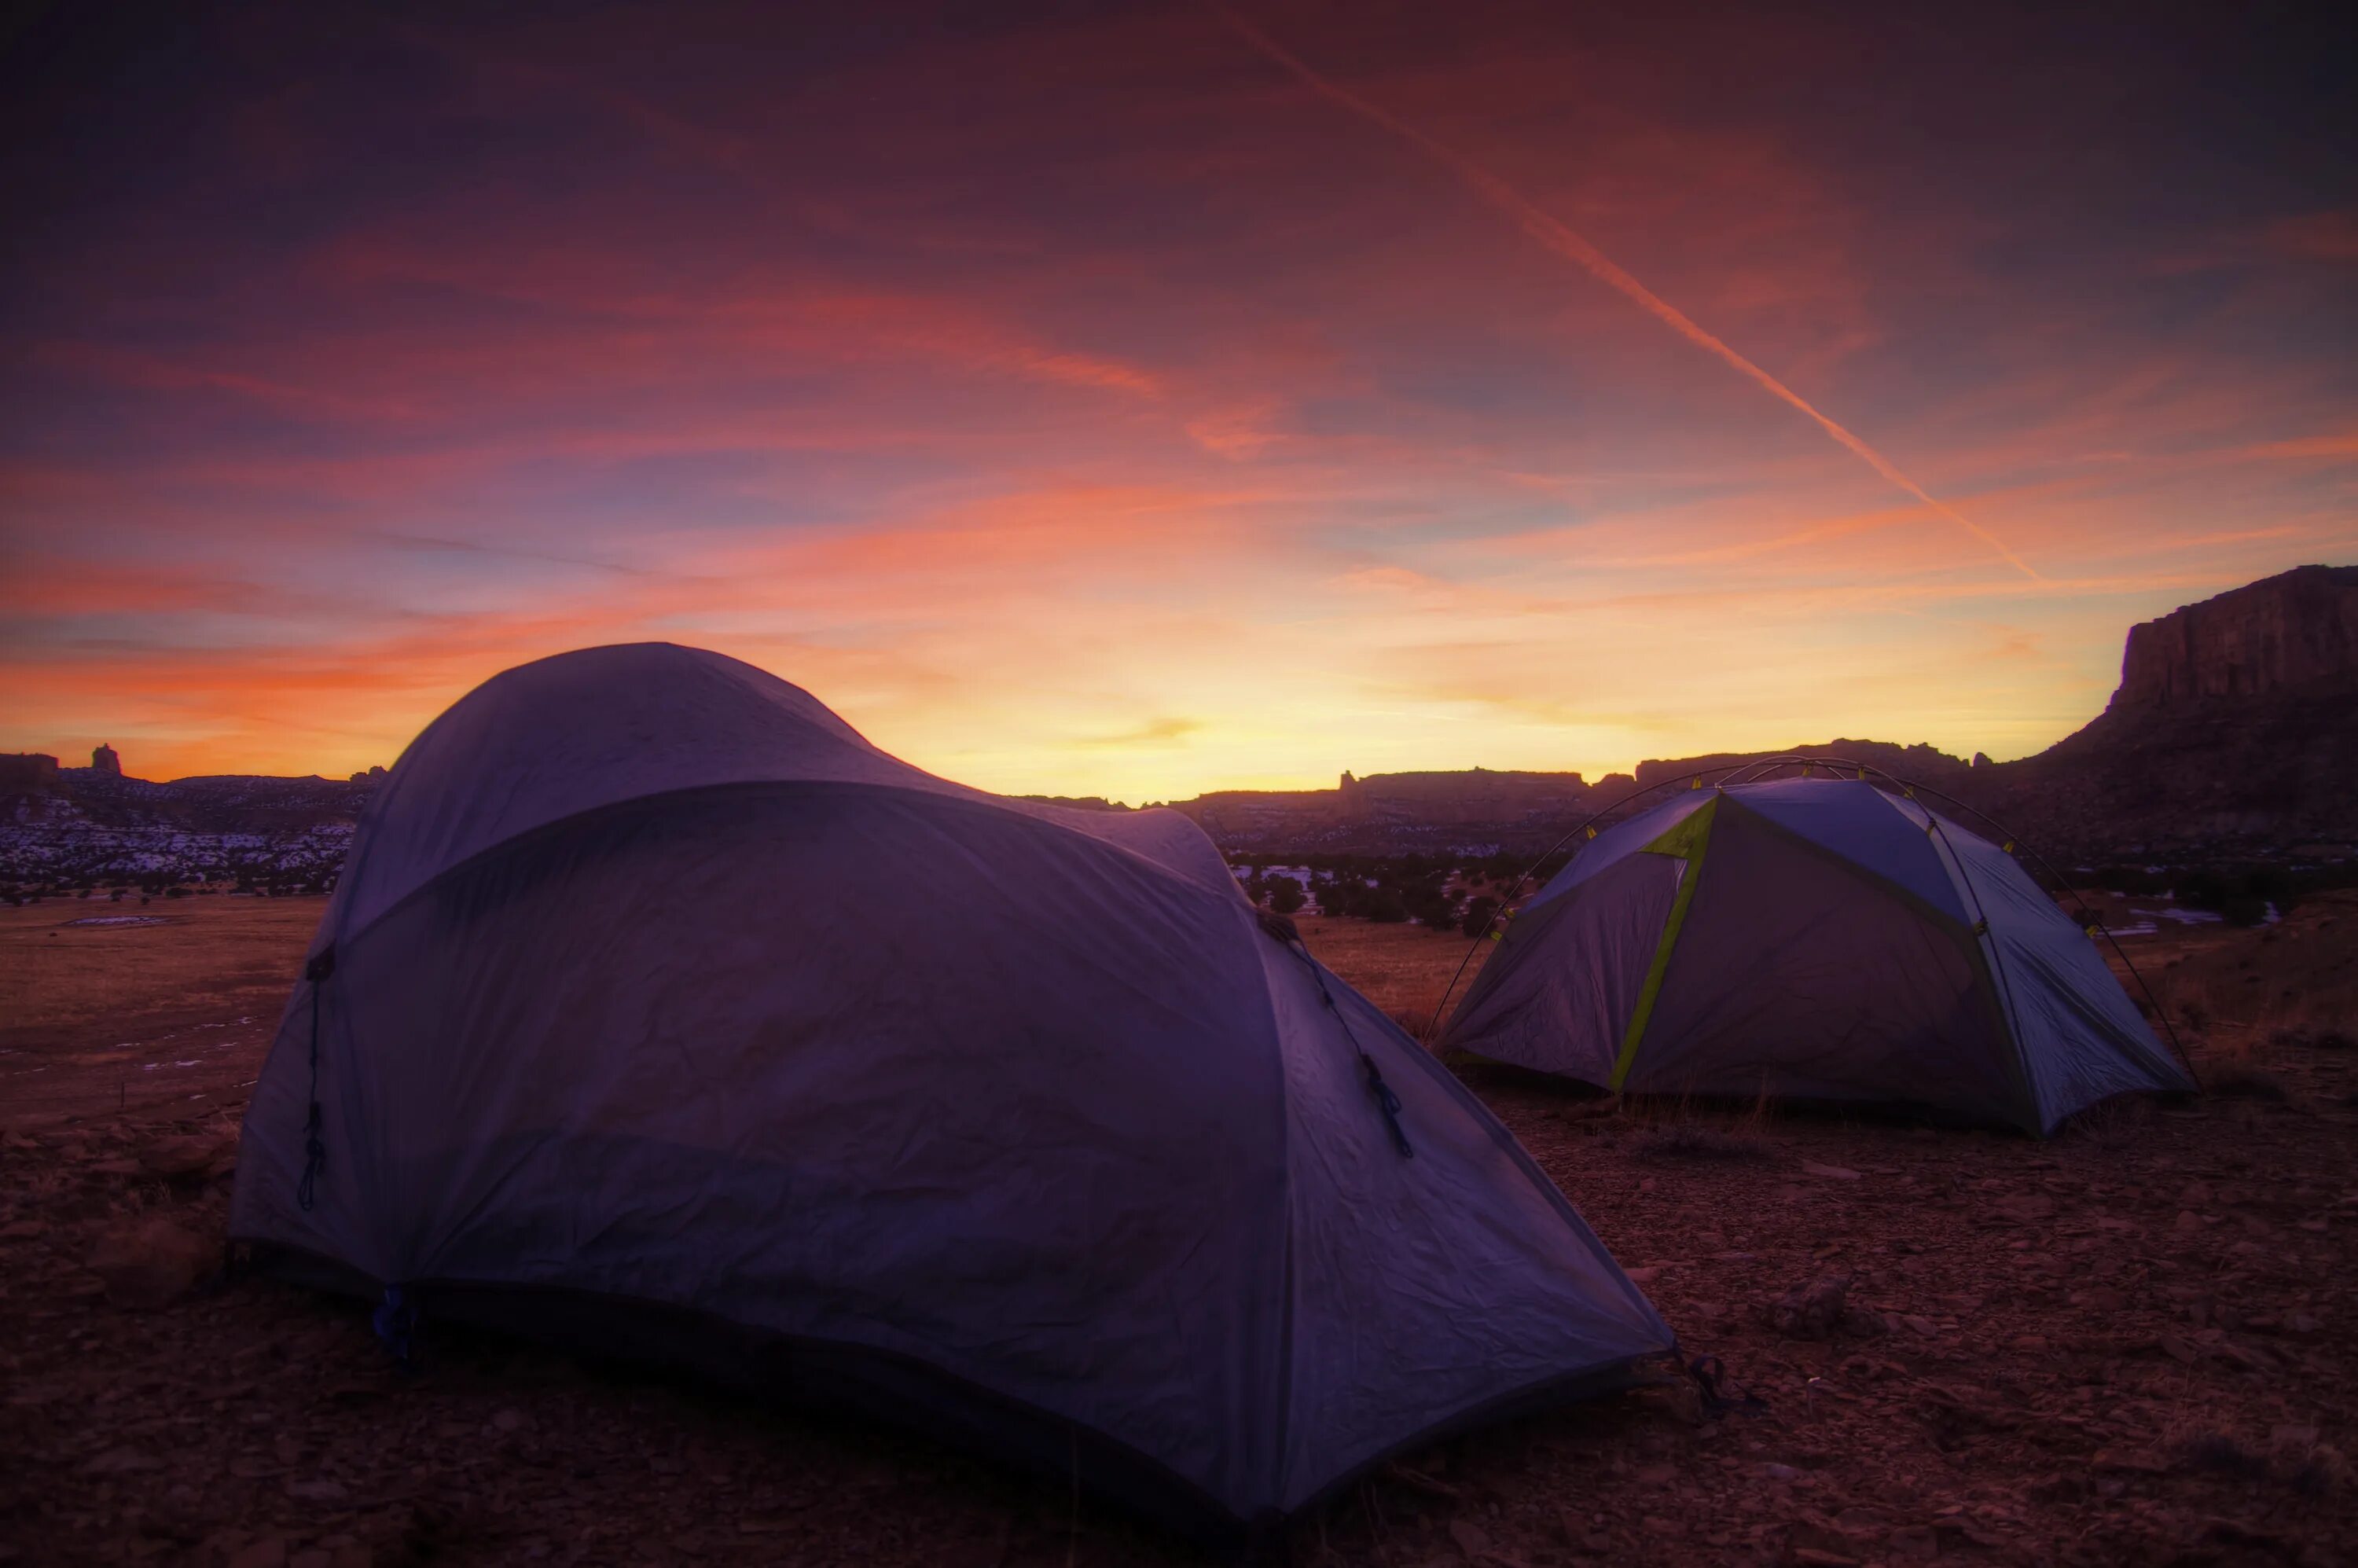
{"x":862,"y":1385}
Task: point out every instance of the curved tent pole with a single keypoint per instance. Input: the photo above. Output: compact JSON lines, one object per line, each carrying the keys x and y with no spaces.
{"x":1754,"y":772}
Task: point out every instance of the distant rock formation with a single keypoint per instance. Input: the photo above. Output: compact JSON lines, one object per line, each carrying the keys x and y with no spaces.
{"x":2294,"y":633}
{"x":1396,"y":812}
{"x":29,"y":772}
{"x":1918,"y":761}
{"x":82,"y":826}
{"x":2236,"y":722}
{"x":2234,"y":729}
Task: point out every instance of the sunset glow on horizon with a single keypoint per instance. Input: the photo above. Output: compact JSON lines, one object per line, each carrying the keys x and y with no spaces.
{"x":1144,"y":401}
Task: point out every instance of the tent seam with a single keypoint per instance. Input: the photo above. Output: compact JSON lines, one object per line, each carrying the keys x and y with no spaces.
{"x":978,"y":798}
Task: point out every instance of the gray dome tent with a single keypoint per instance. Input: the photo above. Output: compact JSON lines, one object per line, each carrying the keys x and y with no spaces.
{"x":1817,"y":939}
{"x":658,"y":1010}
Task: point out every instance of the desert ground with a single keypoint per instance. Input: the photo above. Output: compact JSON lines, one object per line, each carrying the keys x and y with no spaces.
{"x":2131,"y":1343}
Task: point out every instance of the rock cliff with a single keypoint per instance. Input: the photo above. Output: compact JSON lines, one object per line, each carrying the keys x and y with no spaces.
{"x":2293,"y":633}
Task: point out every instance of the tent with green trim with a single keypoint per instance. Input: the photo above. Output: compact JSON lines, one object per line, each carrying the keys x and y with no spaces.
{"x":1811,"y":939}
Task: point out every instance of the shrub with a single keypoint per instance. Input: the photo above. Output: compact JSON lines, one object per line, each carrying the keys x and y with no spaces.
{"x":2246,"y":1083}
{"x":1479,"y":914}
{"x":1285,"y":895}
{"x":2242,"y":909}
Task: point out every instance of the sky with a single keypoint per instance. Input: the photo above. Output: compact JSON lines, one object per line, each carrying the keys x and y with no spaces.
{"x":1142,"y":400}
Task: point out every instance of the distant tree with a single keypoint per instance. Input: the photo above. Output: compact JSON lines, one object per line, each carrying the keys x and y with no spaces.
{"x":1479,"y":913}
{"x":2243,"y":909}
{"x":1430,"y":906}
{"x":2203,"y":890}
{"x":1384,"y":905}
{"x":1285,"y":895}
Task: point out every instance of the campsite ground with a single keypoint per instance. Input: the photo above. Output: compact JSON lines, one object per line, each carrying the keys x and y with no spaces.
{"x":2135,"y":1343}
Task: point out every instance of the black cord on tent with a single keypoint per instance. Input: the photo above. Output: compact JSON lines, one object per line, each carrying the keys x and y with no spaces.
{"x":1747,"y":773}
{"x":1387,"y":1101}
{"x":314,"y":1151}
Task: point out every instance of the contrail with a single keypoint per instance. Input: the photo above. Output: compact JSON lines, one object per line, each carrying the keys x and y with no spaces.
{"x":1556,"y":237}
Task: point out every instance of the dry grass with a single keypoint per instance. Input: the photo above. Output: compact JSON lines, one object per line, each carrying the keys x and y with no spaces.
{"x":1401,"y":968}
{"x":97,"y":1017}
{"x":211,"y":953}
{"x":2090,"y":1378}
{"x":2245,"y":995}
{"x":1679,"y":1141}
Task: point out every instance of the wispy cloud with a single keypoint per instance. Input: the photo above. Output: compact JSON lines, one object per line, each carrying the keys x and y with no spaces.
{"x":1084,"y":407}
{"x":1553,"y":233}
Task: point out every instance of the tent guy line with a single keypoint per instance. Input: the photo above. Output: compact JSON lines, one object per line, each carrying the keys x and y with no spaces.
{"x":1564,"y":242}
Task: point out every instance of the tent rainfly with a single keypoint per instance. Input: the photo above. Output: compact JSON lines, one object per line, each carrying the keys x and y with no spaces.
{"x":1811,"y":939}
{"x":658,"y":1011}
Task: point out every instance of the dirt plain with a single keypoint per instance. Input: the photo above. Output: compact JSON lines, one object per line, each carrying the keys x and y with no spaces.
{"x":2132,"y":1344}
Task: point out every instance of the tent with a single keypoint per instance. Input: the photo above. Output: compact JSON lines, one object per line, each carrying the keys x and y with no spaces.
{"x":1811,"y":939}
{"x":658,"y":1011}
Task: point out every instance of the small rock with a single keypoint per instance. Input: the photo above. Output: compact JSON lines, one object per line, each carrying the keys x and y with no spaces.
{"x":317,"y":1491}
{"x":1812,"y":1311}
{"x":121,"y":1461}
{"x":1921,"y":1324}
{"x":193,"y":1155}
{"x":1913,"y":1540}
{"x":268,"y":1552}
{"x":2250,"y":1357}
{"x":151,"y":1262}
{"x":1832,"y":1173}
{"x":508,"y":1420}
{"x":1774,"y":1472}
{"x":1471,"y":1538}
{"x":1861,"y":1323}
{"x":22,"y":1230}
{"x":2189,"y":1223}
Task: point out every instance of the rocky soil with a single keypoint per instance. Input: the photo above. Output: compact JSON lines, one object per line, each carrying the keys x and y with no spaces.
{"x":2133,"y":1344}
